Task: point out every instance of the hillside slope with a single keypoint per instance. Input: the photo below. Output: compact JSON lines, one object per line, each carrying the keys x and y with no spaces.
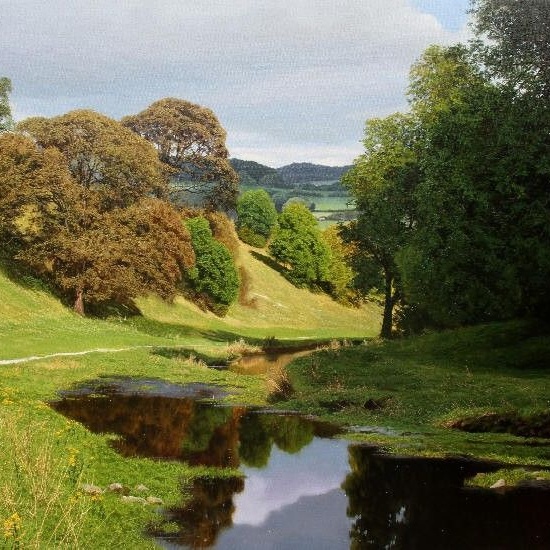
{"x":32,"y":322}
{"x":276,"y":308}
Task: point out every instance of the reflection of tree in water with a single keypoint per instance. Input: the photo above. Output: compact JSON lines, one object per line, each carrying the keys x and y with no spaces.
{"x":201,"y":434}
{"x":421,"y":503}
{"x":184,"y":429}
{"x":207,"y":513}
{"x":258,"y":433}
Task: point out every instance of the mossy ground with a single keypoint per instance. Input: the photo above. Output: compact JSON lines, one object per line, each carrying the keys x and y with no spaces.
{"x":418,"y":386}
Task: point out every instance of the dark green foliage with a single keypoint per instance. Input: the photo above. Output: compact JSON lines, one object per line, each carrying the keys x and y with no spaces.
{"x":256,"y":174}
{"x":5,"y":111}
{"x":298,"y":246}
{"x":382,"y":181}
{"x":214,"y":278}
{"x":256,"y":217}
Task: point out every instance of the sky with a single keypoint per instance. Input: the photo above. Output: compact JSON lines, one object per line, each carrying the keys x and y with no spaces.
{"x":289,"y":80}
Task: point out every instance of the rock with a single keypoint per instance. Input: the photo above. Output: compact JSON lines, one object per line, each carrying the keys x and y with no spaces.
{"x":115,"y":488}
{"x":499,"y":484}
{"x":133,"y":500}
{"x":90,"y":489}
{"x":154,"y":500}
{"x":142,"y":489}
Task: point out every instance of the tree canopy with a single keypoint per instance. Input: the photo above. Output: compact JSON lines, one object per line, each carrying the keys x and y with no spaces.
{"x":453,"y":200}
{"x":102,"y":155}
{"x":256,"y":217}
{"x":190,"y":139}
{"x":5,"y":109}
{"x":298,"y":246}
{"x":78,"y":209}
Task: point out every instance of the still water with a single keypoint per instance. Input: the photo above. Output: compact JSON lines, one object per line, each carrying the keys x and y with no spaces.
{"x":302,"y":488}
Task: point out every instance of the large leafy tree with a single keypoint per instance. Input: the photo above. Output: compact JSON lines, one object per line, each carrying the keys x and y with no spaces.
{"x":383,"y":181}
{"x":480,"y":251}
{"x":189,"y":138}
{"x":79,"y":237}
{"x":518,"y":49}
{"x":256,"y":217}
{"x":298,"y":246}
{"x":5,"y":110}
{"x":103,"y":156}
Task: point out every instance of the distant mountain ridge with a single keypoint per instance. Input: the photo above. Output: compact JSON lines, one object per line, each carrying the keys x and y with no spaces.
{"x":295,"y":174}
{"x":306,"y":172}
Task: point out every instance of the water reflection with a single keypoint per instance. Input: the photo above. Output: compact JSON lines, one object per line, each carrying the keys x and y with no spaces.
{"x":302,"y":489}
{"x":408,"y":502}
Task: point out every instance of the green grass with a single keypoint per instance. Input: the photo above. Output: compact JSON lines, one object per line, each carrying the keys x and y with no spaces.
{"x":32,"y":322}
{"x":418,"y":386}
{"x":45,"y":458}
{"x":415,"y":387}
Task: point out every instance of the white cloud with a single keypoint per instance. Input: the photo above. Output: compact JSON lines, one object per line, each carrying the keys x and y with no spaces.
{"x":302,"y":74}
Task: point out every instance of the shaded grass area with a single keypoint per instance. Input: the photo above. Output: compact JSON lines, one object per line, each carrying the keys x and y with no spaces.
{"x":419,"y":386}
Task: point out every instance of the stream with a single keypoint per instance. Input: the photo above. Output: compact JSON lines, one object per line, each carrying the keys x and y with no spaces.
{"x":302,"y":487}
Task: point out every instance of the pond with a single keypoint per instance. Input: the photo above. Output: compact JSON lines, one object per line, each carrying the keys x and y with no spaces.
{"x":301,"y":486}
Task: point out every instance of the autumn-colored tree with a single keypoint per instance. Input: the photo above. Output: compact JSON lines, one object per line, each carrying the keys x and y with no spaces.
{"x":190,"y":139}
{"x":103,"y":156}
{"x":64,"y":232}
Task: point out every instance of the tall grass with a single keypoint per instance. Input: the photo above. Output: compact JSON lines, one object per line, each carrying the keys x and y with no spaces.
{"x":40,"y":502}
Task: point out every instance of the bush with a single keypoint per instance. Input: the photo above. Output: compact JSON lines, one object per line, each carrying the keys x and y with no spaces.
{"x":214,"y":279}
{"x":249,"y":237}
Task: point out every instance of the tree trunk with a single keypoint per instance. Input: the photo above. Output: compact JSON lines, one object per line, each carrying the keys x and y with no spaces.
{"x":387,"y":320}
{"x":79,"y":303}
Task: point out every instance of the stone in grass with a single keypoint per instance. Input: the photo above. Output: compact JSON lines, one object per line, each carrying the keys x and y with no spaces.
{"x":154,"y":500}
{"x":90,"y":489}
{"x":133,"y":500}
{"x":498,"y":484}
{"x":142,"y":488}
{"x":116,"y":488}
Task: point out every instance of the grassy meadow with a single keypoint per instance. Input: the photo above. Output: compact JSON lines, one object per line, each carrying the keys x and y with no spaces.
{"x":46,"y":458}
{"x":407,"y":393}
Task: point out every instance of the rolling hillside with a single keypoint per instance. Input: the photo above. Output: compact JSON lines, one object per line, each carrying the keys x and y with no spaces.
{"x":32,"y":322}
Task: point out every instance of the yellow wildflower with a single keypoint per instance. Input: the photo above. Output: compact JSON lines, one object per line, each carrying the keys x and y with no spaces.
{"x":12,"y":526}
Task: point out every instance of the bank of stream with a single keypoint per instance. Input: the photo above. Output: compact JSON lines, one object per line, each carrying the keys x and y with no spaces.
{"x":298,"y":483}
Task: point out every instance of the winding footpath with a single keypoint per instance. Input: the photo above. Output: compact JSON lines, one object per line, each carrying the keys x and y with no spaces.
{"x":68,"y":354}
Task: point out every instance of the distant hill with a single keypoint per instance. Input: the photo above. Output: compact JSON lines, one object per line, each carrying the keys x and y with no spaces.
{"x":254,"y":173}
{"x":292,"y":175}
{"x":305,"y":172}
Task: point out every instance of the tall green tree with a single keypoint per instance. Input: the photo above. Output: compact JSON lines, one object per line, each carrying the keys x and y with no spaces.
{"x":298,"y":246}
{"x":518,"y":49}
{"x":383,"y":181}
{"x":190,"y":139}
{"x":256,"y":217}
{"x":6,"y":121}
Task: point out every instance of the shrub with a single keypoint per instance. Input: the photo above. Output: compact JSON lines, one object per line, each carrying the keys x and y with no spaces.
{"x":256,"y":217}
{"x":214,"y":279}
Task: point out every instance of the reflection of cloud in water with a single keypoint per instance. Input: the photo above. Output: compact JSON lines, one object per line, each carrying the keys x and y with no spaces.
{"x":317,"y":469}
